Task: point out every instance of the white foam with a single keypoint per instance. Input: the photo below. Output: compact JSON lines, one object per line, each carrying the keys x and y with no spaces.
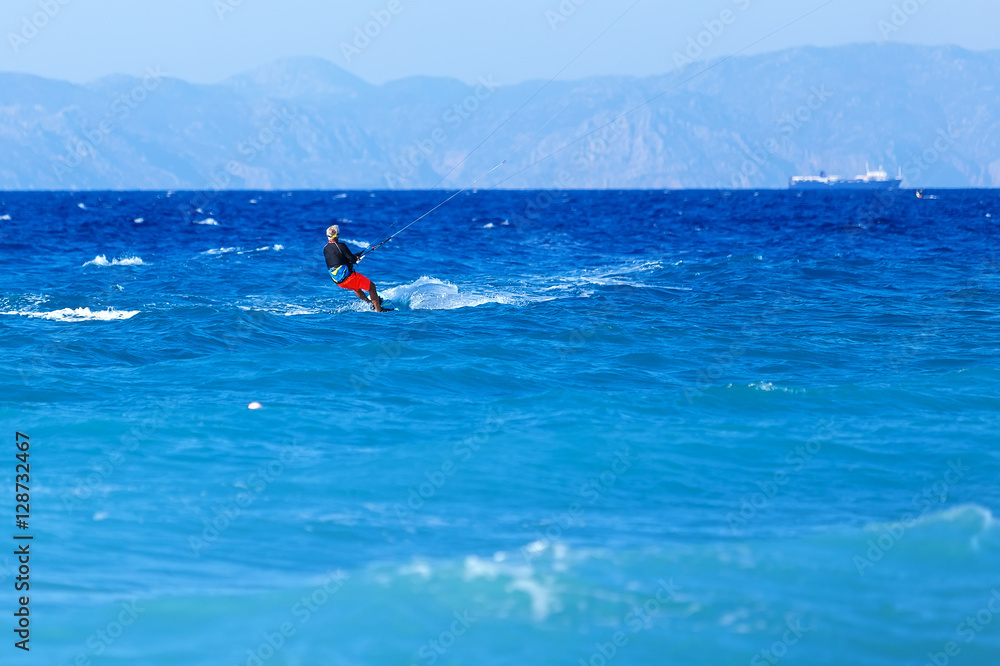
{"x":139,"y":220}
{"x":276,"y":248}
{"x":358,"y":243}
{"x":282,"y":309}
{"x":972,"y":517}
{"x":488,"y":225}
{"x":221,"y":250}
{"x":541,"y":594}
{"x":102,"y":260}
{"x":7,"y":217}
{"x":340,"y":196}
{"x":81,"y":206}
{"x":429,"y":293}
{"x":79,"y":314}
{"x":208,"y":222}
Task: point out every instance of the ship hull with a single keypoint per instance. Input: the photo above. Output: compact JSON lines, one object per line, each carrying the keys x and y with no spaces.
{"x":876,"y":185}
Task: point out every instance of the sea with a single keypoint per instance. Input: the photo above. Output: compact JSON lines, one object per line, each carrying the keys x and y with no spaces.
{"x":600,"y":427}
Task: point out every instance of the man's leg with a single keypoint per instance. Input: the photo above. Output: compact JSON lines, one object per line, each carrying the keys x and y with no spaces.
{"x":376,"y":299}
{"x":362,"y":295}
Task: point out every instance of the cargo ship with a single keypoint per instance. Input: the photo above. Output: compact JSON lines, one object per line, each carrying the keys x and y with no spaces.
{"x":872,"y":180}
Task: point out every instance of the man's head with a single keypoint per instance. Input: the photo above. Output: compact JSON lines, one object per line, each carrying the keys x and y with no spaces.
{"x":333,"y":233}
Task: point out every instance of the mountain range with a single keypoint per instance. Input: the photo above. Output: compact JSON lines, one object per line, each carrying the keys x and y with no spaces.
{"x":930,"y":113}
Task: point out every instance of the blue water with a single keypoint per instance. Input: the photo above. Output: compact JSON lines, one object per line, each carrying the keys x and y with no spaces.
{"x":614,"y":427}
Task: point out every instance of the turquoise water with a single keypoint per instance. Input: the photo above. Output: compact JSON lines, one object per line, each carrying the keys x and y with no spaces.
{"x":617,"y":427}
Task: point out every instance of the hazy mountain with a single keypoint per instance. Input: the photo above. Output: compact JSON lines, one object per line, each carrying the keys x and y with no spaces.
{"x":304,"y":123}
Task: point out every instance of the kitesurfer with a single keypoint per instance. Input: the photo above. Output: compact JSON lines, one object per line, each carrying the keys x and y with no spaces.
{"x":340,"y":263}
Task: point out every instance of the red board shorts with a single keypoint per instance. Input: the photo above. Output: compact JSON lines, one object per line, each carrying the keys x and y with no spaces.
{"x":355,"y":282}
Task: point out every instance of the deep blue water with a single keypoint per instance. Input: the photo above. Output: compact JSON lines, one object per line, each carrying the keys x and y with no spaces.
{"x":601,"y":427}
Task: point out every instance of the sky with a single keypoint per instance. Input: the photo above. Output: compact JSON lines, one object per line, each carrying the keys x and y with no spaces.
{"x":205,"y":41}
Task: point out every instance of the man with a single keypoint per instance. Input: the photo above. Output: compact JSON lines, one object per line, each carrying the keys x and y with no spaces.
{"x":340,"y":263}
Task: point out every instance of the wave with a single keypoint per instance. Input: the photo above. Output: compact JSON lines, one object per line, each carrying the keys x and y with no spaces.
{"x":429,"y":293}
{"x":4,"y":217}
{"x":281,"y":309}
{"x":361,"y":244}
{"x":102,"y":260}
{"x":239,"y":250}
{"x":139,"y":220}
{"x":619,"y":275}
{"x":965,"y":518}
{"x":78,"y":314}
{"x":210,"y":221}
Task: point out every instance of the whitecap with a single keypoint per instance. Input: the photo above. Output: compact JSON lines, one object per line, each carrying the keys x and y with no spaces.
{"x":79,"y":314}
{"x":102,"y":260}
{"x":541,"y":596}
{"x":488,"y":225}
{"x":208,"y":222}
{"x":429,"y":293}
{"x":276,"y":248}
{"x":358,"y":243}
{"x":81,"y":206}
{"x":221,"y":250}
{"x":278,"y":308}
{"x":139,"y":220}
{"x":340,"y":196}
{"x":7,"y":217}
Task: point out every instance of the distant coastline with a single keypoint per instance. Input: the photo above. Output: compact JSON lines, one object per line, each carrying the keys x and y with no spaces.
{"x":304,"y":124}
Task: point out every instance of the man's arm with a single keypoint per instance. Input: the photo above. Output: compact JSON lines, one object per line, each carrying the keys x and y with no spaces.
{"x":346,"y":251}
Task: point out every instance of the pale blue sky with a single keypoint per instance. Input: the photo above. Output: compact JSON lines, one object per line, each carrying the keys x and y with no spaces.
{"x":512,"y":40}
